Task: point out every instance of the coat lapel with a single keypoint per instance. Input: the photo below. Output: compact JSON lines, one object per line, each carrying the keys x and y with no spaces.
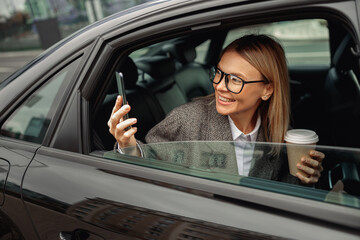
{"x":263,"y":164}
{"x":218,"y":128}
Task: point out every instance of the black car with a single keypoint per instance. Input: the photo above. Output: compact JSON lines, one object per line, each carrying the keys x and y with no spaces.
{"x":61,"y":179}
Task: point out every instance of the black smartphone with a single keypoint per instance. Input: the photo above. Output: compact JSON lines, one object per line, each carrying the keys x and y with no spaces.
{"x":121,"y":90}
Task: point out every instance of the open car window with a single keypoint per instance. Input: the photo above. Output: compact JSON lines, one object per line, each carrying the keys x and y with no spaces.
{"x":339,"y":183}
{"x":168,"y":73}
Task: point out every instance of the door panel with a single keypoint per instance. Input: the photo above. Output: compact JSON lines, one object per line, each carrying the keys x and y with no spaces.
{"x":13,"y":214}
{"x":4,"y":171}
{"x":67,"y":193}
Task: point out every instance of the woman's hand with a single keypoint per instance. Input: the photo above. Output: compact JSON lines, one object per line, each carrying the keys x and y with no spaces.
{"x":117,"y":125}
{"x":310,"y":167}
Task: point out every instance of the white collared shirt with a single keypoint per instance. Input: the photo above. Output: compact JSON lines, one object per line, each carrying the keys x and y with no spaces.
{"x":244,"y":146}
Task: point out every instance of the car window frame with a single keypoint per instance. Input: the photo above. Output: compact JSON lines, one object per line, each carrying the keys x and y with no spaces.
{"x":57,"y":102}
{"x":113,"y":44}
{"x":66,"y":91}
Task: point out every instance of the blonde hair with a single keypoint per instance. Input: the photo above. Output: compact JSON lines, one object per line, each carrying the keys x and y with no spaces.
{"x":267,"y":56}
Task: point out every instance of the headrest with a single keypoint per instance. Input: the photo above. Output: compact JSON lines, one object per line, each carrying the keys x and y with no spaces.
{"x":129,"y":71}
{"x":157,"y":67}
{"x":181,"y":52}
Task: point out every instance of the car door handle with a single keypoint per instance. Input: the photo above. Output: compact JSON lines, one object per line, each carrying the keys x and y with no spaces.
{"x":75,"y":235}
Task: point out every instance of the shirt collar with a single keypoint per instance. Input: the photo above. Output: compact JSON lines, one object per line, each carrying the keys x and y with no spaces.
{"x":237,"y":134}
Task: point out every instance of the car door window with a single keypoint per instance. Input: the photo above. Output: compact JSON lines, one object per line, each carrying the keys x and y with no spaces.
{"x":339,"y":184}
{"x":31,"y":120}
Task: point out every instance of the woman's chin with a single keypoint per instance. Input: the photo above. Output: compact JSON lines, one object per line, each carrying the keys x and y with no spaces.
{"x":222,"y":110}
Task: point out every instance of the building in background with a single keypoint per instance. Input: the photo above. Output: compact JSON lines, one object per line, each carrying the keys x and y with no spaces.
{"x":37,"y":24}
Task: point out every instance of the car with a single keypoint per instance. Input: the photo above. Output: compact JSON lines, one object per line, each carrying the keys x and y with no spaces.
{"x":61,"y":179}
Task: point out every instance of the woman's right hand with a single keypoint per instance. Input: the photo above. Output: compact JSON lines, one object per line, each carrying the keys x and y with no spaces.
{"x":117,"y":125}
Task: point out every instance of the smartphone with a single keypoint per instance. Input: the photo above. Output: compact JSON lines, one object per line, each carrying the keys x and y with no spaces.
{"x":121,"y":90}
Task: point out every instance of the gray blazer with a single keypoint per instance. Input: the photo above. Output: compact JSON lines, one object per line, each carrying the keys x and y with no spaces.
{"x":199,"y":120}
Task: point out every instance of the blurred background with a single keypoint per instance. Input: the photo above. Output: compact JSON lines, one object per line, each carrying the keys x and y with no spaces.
{"x":27,"y":27}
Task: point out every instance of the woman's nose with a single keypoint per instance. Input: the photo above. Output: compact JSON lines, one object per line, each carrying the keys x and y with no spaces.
{"x":221,"y":86}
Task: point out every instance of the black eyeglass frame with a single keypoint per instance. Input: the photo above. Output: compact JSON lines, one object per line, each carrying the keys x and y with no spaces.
{"x":212,"y":79}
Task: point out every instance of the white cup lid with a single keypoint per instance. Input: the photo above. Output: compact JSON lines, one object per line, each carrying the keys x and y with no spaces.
{"x":301,"y":136}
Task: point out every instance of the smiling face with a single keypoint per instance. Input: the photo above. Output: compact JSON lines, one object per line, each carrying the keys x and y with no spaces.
{"x":242,"y":106}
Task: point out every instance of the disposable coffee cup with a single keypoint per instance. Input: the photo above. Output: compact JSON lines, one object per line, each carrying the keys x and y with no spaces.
{"x":300,"y":142}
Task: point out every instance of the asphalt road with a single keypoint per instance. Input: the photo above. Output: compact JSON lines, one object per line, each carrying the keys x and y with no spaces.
{"x":12,"y":61}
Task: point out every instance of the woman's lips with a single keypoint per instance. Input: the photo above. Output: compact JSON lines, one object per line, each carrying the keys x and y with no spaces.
{"x":225,"y":100}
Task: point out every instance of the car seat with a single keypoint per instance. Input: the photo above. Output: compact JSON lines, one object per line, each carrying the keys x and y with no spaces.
{"x":192,"y":77}
{"x":160,"y":81}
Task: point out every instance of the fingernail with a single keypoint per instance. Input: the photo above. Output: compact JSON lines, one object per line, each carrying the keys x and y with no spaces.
{"x":118,"y":98}
{"x":126,"y":107}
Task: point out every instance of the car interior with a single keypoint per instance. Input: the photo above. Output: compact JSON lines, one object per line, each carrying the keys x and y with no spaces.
{"x":167,"y":74}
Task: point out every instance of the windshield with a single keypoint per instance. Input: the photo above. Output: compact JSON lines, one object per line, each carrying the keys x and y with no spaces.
{"x":269,"y":167}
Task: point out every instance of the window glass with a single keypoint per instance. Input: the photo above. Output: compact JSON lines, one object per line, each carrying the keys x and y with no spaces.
{"x":31,"y":120}
{"x":306,"y":42}
{"x":339,"y":184}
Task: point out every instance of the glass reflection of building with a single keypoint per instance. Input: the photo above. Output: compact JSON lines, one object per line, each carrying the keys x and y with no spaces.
{"x":148,"y":224}
{"x":25,"y":24}
{"x":126,"y":218}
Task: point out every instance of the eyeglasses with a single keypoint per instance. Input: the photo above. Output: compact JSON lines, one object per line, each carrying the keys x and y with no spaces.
{"x":233,"y":83}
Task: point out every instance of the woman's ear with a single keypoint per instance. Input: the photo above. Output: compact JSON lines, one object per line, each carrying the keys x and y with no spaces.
{"x":268,"y":91}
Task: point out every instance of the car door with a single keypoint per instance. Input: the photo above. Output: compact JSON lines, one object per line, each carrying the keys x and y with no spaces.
{"x":102,"y":198}
{"x":21,"y":136}
{"x":119,"y":196}
{"x":14,"y":160}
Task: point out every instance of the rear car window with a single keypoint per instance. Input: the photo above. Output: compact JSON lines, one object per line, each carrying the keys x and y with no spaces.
{"x":31,"y":120}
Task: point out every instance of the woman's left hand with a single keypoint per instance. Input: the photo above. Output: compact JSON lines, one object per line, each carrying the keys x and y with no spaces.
{"x":311,"y":167}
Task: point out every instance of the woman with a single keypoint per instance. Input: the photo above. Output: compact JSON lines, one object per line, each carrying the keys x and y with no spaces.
{"x":251,"y":102}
